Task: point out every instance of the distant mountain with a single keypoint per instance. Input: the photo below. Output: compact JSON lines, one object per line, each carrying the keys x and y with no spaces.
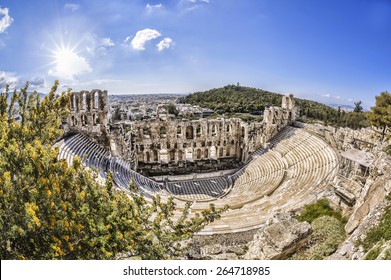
{"x":344,"y":107}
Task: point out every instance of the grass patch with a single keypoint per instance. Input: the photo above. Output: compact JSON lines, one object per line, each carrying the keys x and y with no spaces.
{"x":328,"y":233}
{"x":319,"y":209}
{"x":380,"y":232}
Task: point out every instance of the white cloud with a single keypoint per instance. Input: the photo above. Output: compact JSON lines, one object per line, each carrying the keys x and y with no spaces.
{"x":164,"y":44}
{"x":325,"y":95}
{"x":7,"y":78}
{"x":153,"y":8}
{"x":107,"y":42}
{"x":71,"y":7}
{"x":142,"y":37}
{"x":5,"y":20}
{"x":69,"y":64}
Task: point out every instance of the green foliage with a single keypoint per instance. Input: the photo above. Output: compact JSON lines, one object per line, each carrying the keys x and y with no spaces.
{"x":381,"y":232}
{"x":380,"y":115}
{"x":244,"y":100}
{"x":328,"y":233}
{"x":49,"y":210}
{"x":319,"y":209}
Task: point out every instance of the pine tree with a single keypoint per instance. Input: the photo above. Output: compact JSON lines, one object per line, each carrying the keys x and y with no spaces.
{"x":50,"y":210}
{"x":380,"y":115}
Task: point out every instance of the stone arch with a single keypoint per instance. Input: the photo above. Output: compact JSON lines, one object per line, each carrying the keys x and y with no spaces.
{"x":74,"y":121}
{"x":198,"y":153}
{"x":198,"y":130}
{"x":214,"y":130}
{"x":180,"y":155}
{"x":221,"y":152}
{"x":84,"y":120}
{"x":189,"y":132}
{"x":172,"y":155}
{"x":189,"y":154}
{"x":147,"y":156}
{"x":163,"y":155}
{"x":232,"y":142}
{"x":213,"y":152}
{"x":206,"y":154}
{"x":179,"y":131}
{"x":228,"y":152}
{"x":162,"y":132}
{"x":155,"y":156}
{"x":83,"y":101}
{"x":96,"y":100}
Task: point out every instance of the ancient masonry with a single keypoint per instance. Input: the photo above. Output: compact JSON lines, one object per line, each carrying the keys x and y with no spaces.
{"x":167,"y":145}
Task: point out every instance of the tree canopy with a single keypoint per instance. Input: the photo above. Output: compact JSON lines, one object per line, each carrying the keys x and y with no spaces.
{"x":380,"y":115}
{"x":50,"y":210}
{"x":234,"y":99}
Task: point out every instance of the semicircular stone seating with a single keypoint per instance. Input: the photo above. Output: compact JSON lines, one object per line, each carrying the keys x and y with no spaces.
{"x":283,"y":177}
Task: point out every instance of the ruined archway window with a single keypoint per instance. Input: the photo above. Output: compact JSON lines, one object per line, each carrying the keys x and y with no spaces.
{"x":242,"y":131}
{"x":180,"y":155}
{"x":206,"y":154}
{"x":96,"y":100}
{"x":148,"y":156}
{"x":172,"y":155}
{"x":74,"y":121}
{"x":214,"y":130}
{"x":228,"y":128}
{"x":198,"y":130}
{"x":221,"y":152}
{"x":84,"y":120}
{"x":179,"y":131}
{"x":213,"y":152}
{"x":75,"y":105}
{"x":97,"y":120}
{"x":189,"y":132}
{"x":146,"y":132}
{"x":163,"y":156}
{"x":232,"y":142}
{"x":83,"y":101}
{"x":162,"y":131}
{"x":199,"y":154}
{"x":155,"y":158}
{"x":228,"y":152}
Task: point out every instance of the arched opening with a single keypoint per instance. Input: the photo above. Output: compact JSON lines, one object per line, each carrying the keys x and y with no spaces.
{"x":189,"y":132}
{"x":172,"y":155}
{"x":180,"y":155}
{"x":221,"y":152}
{"x":232,"y":142}
{"x":162,"y":132}
{"x":155,"y":157}
{"x":83,"y":101}
{"x":178,"y":132}
{"x":198,"y":130}
{"x":189,"y":154}
{"x":228,"y":152}
{"x":199,"y":154}
{"x":214,"y":129}
{"x":147,"y":132}
{"x":213,"y":152}
{"x":96,"y":100}
{"x":206,"y":154}
{"x":84,"y":120}
{"x":163,"y":156}
{"x":148,"y":156}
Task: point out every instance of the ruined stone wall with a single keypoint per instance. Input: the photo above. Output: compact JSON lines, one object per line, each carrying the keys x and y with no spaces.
{"x":166,"y":145}
{"x":186,"y":144}
{"x":89,"y":114}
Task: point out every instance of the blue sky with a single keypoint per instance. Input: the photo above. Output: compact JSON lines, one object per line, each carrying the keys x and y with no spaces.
{"x":330,"y":51}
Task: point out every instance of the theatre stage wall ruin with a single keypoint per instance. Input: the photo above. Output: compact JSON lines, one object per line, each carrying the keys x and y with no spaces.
{"x":170,"y":145}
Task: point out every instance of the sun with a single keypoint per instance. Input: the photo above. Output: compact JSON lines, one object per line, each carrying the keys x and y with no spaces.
{"x":68,"y":63}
